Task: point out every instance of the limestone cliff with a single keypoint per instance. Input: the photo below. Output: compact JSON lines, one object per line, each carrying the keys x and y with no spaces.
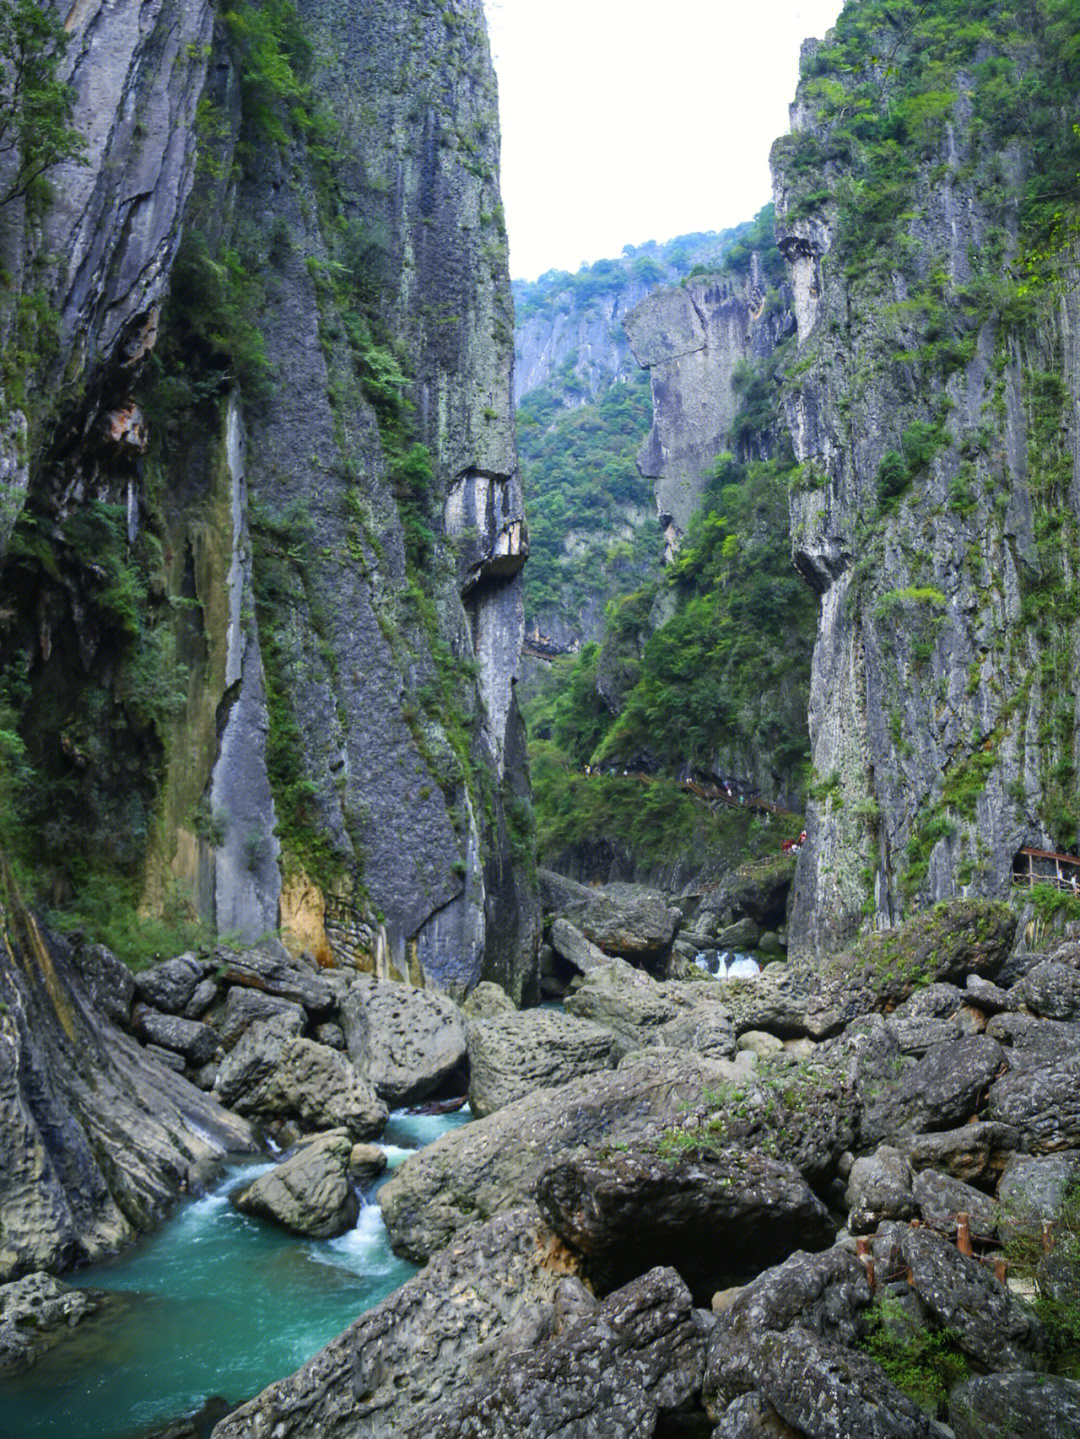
{"x":933,"y":405}
{"x":266,"y":597}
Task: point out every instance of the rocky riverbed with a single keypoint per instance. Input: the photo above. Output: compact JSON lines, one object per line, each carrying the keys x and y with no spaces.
{"x":773,"y":1206}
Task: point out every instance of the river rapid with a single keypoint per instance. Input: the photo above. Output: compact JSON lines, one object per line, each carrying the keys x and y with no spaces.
{"x":213,"y":1305}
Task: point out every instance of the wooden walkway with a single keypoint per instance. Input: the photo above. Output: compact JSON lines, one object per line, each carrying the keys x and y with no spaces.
{"x":1043,"y":866}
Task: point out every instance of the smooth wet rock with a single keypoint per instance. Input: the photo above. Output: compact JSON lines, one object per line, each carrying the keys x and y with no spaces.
{"x":34,"y":1312}
{"x":169,"y":986}
{"x":513,"y":1054}
{"x":492,"y":1165}
{"x":879,"y":1188}
{"x":419,"y":1346}
{"x":404,"y":1041}
{"x":244,"y":1006}
{"x":309,"y":1192}
{"x":718,"y":1218}
{"x":1008,"y":1406}
{"x":197,"y":1042}
{"x":635,"y":1356}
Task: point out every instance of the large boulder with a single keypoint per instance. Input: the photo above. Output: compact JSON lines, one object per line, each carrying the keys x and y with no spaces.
{"x":626,"y":1001}
{"x":569,"y":942}
{"x":717,"y":1218}
{"x":975,"y":1153}
{"x":243,"y":1006}
{"x":492,"y":1165}
{"x":634,"y":1357}
{"x":168,"y":986}
{"x":1043,"y":1103}
{"x":107,"y":981}
{"x":197,"y":1042}
{"x":942,"y":1090}
{"x":1032,"y":1190}
{"x":515,"y":1053}
{"x":274,"y":1074}
{"x":274,"y":972}
{"x":942,"y":1199}
{"x":622,"y":919}
{"x":309,"y":1192}
{"x":35,"y":1312}
{"x":879,"y":1188}
{"x":1052,"y":991}
{"x":421,"y":1345}
{"x":984,"y":1318}
{"x":1006,"y":1406}
{"x":404,"y":1041}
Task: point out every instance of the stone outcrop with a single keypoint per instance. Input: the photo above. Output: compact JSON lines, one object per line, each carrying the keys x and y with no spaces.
{"x":309,"y":1191}
{"x":511,"y":1055}
{"x":34,"y":1312}
{"x":404,"y":1041}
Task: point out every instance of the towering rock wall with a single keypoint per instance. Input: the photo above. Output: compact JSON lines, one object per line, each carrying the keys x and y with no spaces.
{"x":278,"y":408}
{"x":933,"y":405}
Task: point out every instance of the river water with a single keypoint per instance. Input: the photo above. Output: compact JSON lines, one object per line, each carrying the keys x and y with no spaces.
{"x":212,"y":1304}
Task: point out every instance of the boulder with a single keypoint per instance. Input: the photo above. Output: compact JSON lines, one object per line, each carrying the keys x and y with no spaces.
{"x":276,"y":1075}
{"x":942,"y":1090}
{"x":404,"y":1041}
{"x":1052,"y":991}
{"x":719,"y":1218}
{"x":759,"y":890}
{"x":244,"y":1006}
{"x":1005,"y":1406}
{"x":1034,"y":1043}
{"x":107,"y":981}
{"x":765,"y":1046}
{"x":1017,"y":965}
{"x":941,"y":1198}
{"x":332,"y":1035}
{"x":486,"y":1001}
{"x":622,"y":919}
{"x":1032,"y":1190}
{"x":168,"y":986}
{"x":168,"y":1057}
{"x":917,"y":1035}
{"x":366,"y":1163}
{"x":419,"y":1346}
{"x":743,"y":934}
{"x":275,"y":973}
{"x":515,"y":1053}
{"x":309,"y":1192}
{"x":933,"y":1001}
{"x":987,"y":1322}
{"x":707,"y":1029}
{"x":984,"y":993}
{"x":197,"y":1042}
{"x":34,"y":1313}
{"x":614,"y":1373}
{"x":1043,"y":1103}
{"x":202,"y":997}
{"x":879,"y":1188}
{"x":586,"y":957}
{"x":626,"y":1001}
{"x":976,"y":1152}
{"x":492,"y":1165}
{"x":751,"y":1416}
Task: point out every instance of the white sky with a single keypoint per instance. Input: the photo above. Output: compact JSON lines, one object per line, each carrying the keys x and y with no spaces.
{"x":624,"y":121}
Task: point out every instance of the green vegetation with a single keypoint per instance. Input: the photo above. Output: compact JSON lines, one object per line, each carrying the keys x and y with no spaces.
{"x":1054,"y":1274}
{"x":35,"y":104}
{"x":923,"y":1362}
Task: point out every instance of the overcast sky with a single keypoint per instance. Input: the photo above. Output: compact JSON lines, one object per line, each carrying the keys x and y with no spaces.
{"x":624,"y":121}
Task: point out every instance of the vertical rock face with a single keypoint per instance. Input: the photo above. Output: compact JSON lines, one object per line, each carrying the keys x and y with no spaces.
{"x":306,"y":466}
{"x":691,"y":340}
{"x":933,"y":408}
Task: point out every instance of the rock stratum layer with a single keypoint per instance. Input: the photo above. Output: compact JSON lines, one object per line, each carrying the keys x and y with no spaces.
{"x":268,"y":526}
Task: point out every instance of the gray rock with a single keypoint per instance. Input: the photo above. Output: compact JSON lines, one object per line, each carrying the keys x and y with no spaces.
{"x":1006,"y":1406}
{"x":626,"y":920}
{"x":933,"y":1001}
{"x":515,"y":1053}
{"x":366,"y":1163}
{"x":244,"y":1006}
{"x":989,"y":997}
{"x":309,"y":1192}
{"x":276,"y":974}
{"x":941,"y":1198}
{"x":198,"y":1043}
{"x":626,"y":1001}
{"x":1017,"y":965}
{"x":572,"y":1302}
{"x":976,"y":1152}
{"x":708,"y":1029}
{"x":169,"y":986}
{"x":487,"y":1000}
{"x":1052,"y":991}
{"x":1034,"y":1043}
{"x":34,"y":1312}
{"x":743,"y":934}
{"x":404,"y":1041}
{"x":276,"y":1075}
{"x":202,"y":997}
{"x":108,"y":982}
{"x":418,"y":1346}
{"x":1032,"y":1190}
{"x":993,"y":1327}
{"x":492,"y":1165}
{"x":765,"y":1046}
{"x":751,"y":1416}
{"x":332,"y":1035}
{"x":879,"y":1188}
{"x":917,"y":1035}
{"x":942,"y":1090}
{"x":168,"y":1057}
{"x":568,"y":941}
{"x":827,"y":1294}
{"x":635,"y":1356}
{"x":718,"y":1218}
{"x":1042,"y":1103}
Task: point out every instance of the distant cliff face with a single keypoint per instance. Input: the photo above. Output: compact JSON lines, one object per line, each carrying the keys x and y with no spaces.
{"x":933,"y":403}
{"x":269,"y":604}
